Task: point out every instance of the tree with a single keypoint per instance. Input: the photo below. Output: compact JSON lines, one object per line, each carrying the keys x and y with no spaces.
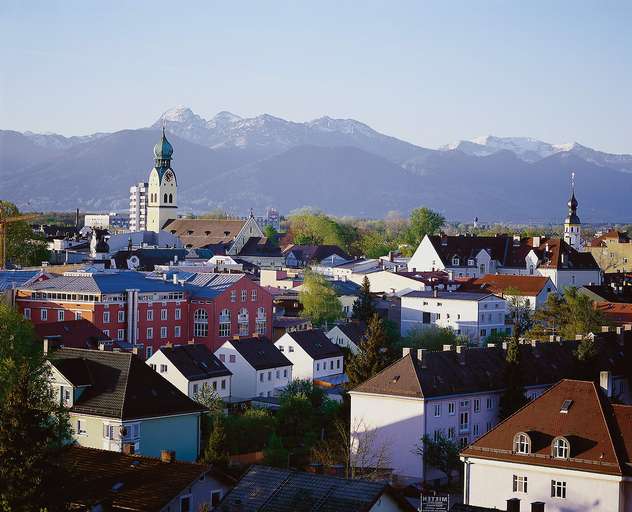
{"x":24,"y":247}
{"x":210,"y":399}
{"x":319,"y":300}
{"x":519,"y":311}
{"x":372,"y":357}
{"x":215,"y":452}
{"x":216,"y":213}
{"x":275,"y":454}
{"x":513,"y":397}
{"x":374,"y":244}
{"x":271,"y":234}
{"x":440,"y":453}
{"x":314,"y":228}
{"x":363,"y":308}
{"x":430,"y":338}
{"x":304,"y":388}
{"x":423,"y":221}
{"x":34,"y":428}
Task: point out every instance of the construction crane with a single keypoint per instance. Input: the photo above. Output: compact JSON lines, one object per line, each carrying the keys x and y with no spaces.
{"x":4,"y":222}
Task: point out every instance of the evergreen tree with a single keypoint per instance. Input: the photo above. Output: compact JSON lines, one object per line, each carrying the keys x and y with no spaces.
{"x":513,"y":397}
{"x":216,"y":452}
{"x":275,"y":454}
{"x":372,"y":356}
{"x":363,"y":308}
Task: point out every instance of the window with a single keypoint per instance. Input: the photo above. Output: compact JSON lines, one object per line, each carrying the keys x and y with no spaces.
{"x":464,"y":404}
{"x":121,"y":316}
{"x":488,"y":426}
{"x":317,"y":367}
{"x":490,"y":403}
{"x":281,"y":349}
{"x":285,"y":373}
{"x":216,"y":497}
{"x":463,"y":442}
{"x":163,"y":332}
{"x":106,"y":317}
{"x":278,"y":374}
{"x":244,"y":295}
{"x":290,"y":348}
{"x":243,"y":322}
{"x":232,"y":358}
{"x":338,"y":364}
{"x":177,"y":331}
{"x":148,"y":353}
{"x":224,"y":323}
{"x":163,"y":314}
{"x":223,"y":384}
{"x":163,"y":368}
{"x":120,"y":334}
{"x":185,"y":501}
{"x":214,"y":385}
{"x":477,"y":405}
{"x":108,"y":432}
{"x":150,"y":315}
{"x":178,"y":314}
{"x":455,"y":261}
{"x":195,"y":389}
{"x":81,"y":427}
{"x":464,"y":421}
{"x":437,"y":410}
{"x":269,"y":375}
{"x":519,"y":483}
{"x":436,"y":434}
{"x":451,"y":433}
{"x":200,"y":323}
{"x":483,"y":332}
{"x":261,"y":321}
{"x":150,"y":333}
{"x":451,"y":408}
{"x":27,"y":313}
{"x":558,"y":489}
{"x":106,"y":332}
{"x":561,"y":448}
{"x":261,"y":377}
{"x":475,"y":429}
{"x":222,"y":358}
{"x":522,"y":443}
{"x":233,"y":295}
{"x":253,"y":295}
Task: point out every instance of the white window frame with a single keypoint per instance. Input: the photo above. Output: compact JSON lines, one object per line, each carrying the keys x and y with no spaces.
{"x":44,"y":314}
{"x":558,"y":489}
{"x":520,"y":484}
{"x":60,"y":315}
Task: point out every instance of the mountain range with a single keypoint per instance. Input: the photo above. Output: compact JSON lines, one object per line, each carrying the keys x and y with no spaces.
{"x":340,"y":166}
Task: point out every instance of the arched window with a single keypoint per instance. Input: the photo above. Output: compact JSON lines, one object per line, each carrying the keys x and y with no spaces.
{"x":170,"y":198}
{"x":522,"y":443}
{"x":243,"y":321}
{"x":200,"y":323}
{"x":561,"y":448}
{"x":224,"y":323}
{"x":165,"y":199}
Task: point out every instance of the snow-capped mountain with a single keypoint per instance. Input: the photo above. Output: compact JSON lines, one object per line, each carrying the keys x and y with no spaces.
{"x":56,"y":141}
{"x":532,"y":150}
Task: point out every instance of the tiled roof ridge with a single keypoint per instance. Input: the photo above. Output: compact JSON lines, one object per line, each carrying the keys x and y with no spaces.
{"x":129,"y":368}
{"x":608,"y":424}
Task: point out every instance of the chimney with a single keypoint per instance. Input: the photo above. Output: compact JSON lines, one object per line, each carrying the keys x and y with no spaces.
{"x":460,"y":349}
{"x":77,"y":219}
{"x":513,"y":505}
{"x":420,"y":354}
{"x":537,"y":506}
{"x":167,"y":456}
{"x":491,"y":345}
{"x":447,"y":348}
{"x":128,"y":448}
{"x":175,"y":278}
{"x":405,"y":351}
{"x":435,"y":292}
{"x":135,"y":351}
{"x":536,"y":241}
{"x":516,"y":240}
{"x":191,"y":342}
{"x":102,"y":346}
{"x":45,"y":346}
{"x":605,"y":383}
{"x":505,"y":345}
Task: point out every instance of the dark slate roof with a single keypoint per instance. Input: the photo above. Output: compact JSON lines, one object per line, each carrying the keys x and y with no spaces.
{"x":345,"y":287}
{"x":260,"y":353}
{"x":72,"y":333}
{"x":270,"y":489}
{"x":316,"y":344}
{"x":147,"y":483}
{"x":508,"y":253}
{"x":355,"y":331}
{"x":120,"y":385}
{"x":148,"y":258}
{"x":195,"y":362}
{"x":260,"y":246}
{"x":481,"y":369}
{"x":308,"y":253}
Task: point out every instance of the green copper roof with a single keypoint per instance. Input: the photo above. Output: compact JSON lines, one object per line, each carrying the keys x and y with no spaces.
{"x":163,"y":150}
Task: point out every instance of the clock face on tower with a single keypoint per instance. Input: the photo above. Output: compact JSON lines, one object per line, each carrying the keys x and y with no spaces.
{"x":168,"y":176}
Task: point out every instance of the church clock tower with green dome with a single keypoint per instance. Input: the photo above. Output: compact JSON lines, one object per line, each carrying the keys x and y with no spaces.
{"x":162,"y":189}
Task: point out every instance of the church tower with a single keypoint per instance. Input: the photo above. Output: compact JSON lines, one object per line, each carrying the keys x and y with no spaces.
{"x":572,"y":225}
{"x":162,"y":188}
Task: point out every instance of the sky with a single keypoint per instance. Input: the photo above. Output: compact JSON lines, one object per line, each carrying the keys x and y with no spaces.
{"x":428,"y":72}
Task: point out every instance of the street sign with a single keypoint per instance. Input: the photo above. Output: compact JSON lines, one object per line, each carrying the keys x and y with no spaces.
{"x":435,"y":503}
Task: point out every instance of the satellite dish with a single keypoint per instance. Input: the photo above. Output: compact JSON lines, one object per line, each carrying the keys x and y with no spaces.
{"x":133,"y":262}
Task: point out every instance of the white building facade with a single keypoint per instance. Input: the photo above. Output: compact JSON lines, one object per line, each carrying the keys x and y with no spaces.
{"x":138,"y":207}
{"x":312,"y":354}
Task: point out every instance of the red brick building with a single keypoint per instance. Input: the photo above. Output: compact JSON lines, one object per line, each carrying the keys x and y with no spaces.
{"x":148,"y":311}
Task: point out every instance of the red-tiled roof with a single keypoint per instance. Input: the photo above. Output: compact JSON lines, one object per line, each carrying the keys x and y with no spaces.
{"x":617,"y":312}
{"x":499,"y":283}
{"x":590,"y":425}
{"x":613,"y":234}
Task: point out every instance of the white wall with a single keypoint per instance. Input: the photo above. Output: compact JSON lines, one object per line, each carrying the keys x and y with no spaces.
{"x":340,"y":338}
{"x":304,"y":366}
{"x":384,"y":281}
{"x":490,"y":484}
{"x":425,"y":258}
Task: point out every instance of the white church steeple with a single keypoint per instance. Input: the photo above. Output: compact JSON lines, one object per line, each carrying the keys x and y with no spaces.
{"x":572,"y":225}
{"x":162,"y":188}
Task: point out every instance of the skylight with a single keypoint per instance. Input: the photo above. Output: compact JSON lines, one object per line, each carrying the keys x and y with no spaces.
{"x":566,"y":406}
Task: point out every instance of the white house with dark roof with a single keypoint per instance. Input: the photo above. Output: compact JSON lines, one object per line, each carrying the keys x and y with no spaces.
{"x":474,"y":315}
{"x":312,"y":354}
{"x":570,"y":449}
{"x":349,"y":335}
{"x":457,"y":392}
{"x":532,"y":291}
{"x":259,"y":369}
{"x":191,"y":367}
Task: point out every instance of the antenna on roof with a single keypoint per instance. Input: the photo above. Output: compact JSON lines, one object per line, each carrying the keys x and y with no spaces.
{"x":573,"y":181}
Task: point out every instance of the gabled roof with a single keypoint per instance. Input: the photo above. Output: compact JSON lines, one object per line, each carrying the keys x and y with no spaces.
{"x":270,"y":489}
{"x":316,"y":344}
{"x":120,"y":385}
{"x":617,"y":313}
{"x":202,"y":232}
{"x":355,"y":331}
{"x":260,"y":353}
{"x":142,"y":483}
{"x":499,"y":283}
{"x":481,"y":370}
{"x":595,"y":431}
{"x":260,"y":246}
{"x":610,"y":236}
{"x":345,"y":287}
{"x":72,"y":333}
{"x":195,"y":362}
{"x":309,"y":253}
{"x":16,"y":278}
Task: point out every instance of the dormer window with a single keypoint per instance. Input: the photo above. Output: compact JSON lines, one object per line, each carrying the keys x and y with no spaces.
{"x":561,"y":448}
{"x":470,"y":263}
{"x":522,"y":443}
{"x":456,"y":261}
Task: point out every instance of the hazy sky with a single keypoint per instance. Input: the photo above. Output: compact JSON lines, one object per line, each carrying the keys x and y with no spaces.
{"x":427,"y":72}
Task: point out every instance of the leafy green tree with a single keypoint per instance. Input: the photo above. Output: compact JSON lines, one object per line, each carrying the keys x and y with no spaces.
{"x":423,"y":221}
{"x":304,"y":388}
{"x":216,"y":213}
{"x":309,"y":228}
{"x":210,"y":399}
{"x":248,"y":432}
{"x":319,"y":300}
{"x":513,"y":397}
{"x":440,"y":453}
{"x":215,"y":452}
{"x":372,"y":357}
{"x":34,"y":428}
{"x":271,"y":234}
{"x":24,"y":247}
{"x":363,"y":308}
{"x":519,"y":311}
{"x":374,"y":244}
{"x":430,"y":338}
{"x":275,"y":454}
